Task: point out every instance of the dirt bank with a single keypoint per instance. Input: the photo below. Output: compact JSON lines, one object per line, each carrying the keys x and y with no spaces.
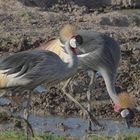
{"x":89,"y":4}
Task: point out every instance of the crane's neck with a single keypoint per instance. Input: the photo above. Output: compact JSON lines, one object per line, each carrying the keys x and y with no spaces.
{"x":57,"y":47}
{"x":110,"y":85}
{"x":65,"y":53}
{"x":70,"y":58}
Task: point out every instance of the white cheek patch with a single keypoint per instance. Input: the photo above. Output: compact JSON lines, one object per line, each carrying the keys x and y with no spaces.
{"x":73,"y":43}
{"x":124,"y":113}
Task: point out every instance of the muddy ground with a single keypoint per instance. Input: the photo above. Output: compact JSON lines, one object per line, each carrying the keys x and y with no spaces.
{"x":24,"y":27}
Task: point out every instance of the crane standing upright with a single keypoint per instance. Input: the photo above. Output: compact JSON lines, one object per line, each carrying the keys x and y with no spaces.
{"x":28,"y":69}
{"x":96,"y":52}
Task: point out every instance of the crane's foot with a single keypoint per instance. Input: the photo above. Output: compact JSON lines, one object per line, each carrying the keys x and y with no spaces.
{"x":92,"y":129}
{"x":93,"y":122}
{"x":90,"y":116}
{"x":26,"y":114}
{"x":28,"y":129}
{"x":26,"y":117}
{"x":25,"y":124}
{"x":89,"y":126}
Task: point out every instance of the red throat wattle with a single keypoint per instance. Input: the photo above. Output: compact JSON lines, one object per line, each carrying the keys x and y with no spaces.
{"x":116,"y":108}
{"x":73,"y":50}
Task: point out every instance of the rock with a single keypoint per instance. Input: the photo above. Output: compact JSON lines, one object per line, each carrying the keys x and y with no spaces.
{"x":112,"y":19}
{"x":77,"y":126}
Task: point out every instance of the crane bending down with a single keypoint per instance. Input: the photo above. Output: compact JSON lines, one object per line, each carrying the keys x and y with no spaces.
{"x":96,"y":52}
{"x":26,"y":70}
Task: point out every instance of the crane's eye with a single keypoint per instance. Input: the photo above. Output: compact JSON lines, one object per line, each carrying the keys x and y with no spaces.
{"x":79,"y":39}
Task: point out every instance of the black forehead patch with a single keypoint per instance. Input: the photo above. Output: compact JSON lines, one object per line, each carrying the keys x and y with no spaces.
{"x":79,"y":39}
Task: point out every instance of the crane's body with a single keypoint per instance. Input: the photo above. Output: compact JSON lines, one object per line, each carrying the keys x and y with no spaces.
{"x":26,"y":70}
{"x":101,"y":53}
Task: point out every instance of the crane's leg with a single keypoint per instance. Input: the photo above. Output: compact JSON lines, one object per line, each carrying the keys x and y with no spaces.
{"x":91,"y":117}
{"x":2,"y":94}
{"x":91,"y":74}
{"x":26,"y":117}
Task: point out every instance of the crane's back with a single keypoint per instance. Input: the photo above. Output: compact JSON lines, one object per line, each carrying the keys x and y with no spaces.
{"x":98,"y":50}
{"x":28,"y":69}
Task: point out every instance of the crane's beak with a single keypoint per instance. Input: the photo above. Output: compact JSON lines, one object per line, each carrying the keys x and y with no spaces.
{"x":127,"y":122}
{"x":125,"y":113}
{"x":128,"y":115}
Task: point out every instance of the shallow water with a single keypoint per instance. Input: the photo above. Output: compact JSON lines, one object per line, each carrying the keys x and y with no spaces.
{"x":42,"y":124}
{"x":49,"y":124}
{"x":74,"y":126}
{"x":4,"y":101}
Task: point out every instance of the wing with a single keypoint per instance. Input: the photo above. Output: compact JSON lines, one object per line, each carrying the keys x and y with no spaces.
{"x":27,"y":68}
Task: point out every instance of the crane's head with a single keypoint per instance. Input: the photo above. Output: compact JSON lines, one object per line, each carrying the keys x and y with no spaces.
{"x":68,"y":34}
{"x":125,"y":107}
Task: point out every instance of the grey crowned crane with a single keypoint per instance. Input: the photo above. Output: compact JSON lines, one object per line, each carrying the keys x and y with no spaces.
{"x":96,"y":52}
{"x":28,"y":69}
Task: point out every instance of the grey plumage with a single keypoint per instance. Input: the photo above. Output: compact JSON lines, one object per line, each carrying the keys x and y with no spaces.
{"x":103,"y":51}
{"x":99,"y":52}
{"x":26,"y":70}
{"x":36,"y":67}
{"x":96,"y":52}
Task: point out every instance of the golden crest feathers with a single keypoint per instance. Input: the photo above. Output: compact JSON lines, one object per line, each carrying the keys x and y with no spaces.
{"x":126,"y":101}
{"x":67,"y":32}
